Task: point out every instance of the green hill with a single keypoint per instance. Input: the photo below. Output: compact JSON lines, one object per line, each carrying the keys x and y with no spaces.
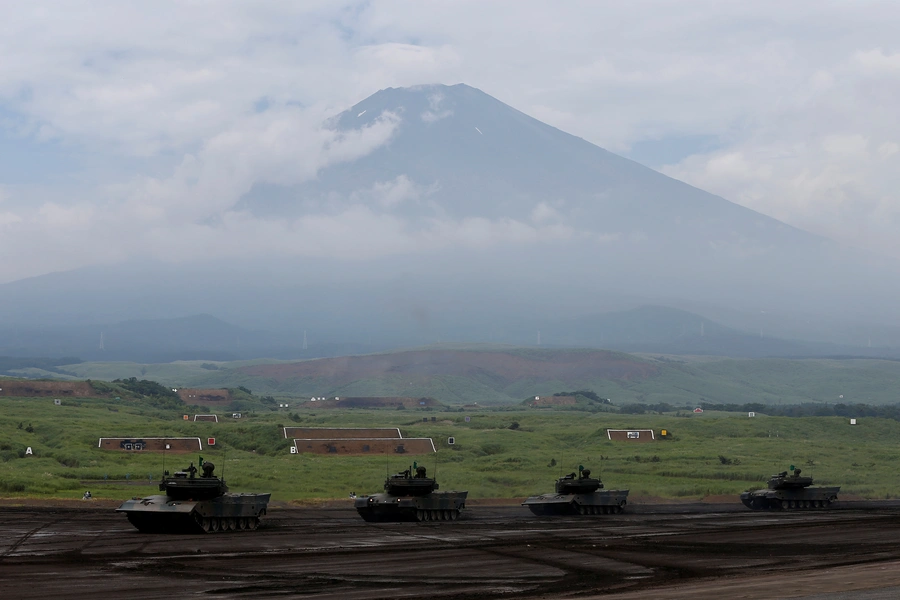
{"x":506,"y":375}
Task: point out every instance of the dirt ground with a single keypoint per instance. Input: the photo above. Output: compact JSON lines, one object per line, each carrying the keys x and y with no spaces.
{"x":698,"y":550}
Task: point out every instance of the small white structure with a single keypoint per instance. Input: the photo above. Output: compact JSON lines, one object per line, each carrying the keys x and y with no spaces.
{"x":57,"y":401}
{"x":623,"y":435}
{"x":853,"y":421}
{"x":213,"y":418}
{"x":451,"y":440}
{"x":751,"y":414}
{"x":235,"y":415}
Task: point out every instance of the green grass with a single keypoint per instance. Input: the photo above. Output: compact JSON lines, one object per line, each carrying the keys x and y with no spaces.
{"x":489,"y":459}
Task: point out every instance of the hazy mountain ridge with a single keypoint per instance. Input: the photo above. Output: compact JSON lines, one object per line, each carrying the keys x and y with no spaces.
{"x":648,"y":329}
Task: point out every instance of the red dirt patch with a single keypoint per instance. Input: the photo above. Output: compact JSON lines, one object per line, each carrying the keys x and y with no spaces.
{"x":42,"y":389}
{"x":362,"y":446}
{"x":341,"y":433}
{"x":553,"y":401}
{"x":205,"y":397}
{"x":499,"y":366}
{"x":374,"y":402}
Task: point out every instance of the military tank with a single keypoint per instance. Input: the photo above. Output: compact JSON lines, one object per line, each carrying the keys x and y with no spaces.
{"x":790,"y":492}
{"x":193,"y":504}
{"x":578,"y":494}
{"x":411,"y":496}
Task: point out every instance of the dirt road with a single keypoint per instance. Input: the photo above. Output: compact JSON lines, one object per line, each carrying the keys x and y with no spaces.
{"x":667,"y":551}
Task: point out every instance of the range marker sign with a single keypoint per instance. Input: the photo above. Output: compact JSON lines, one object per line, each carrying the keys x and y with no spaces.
{"x":210,"y":441}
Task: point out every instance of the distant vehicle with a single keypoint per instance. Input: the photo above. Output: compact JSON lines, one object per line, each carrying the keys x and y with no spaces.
{"x":194,"y":504}
{"x":411,"y":496}
{"x":578,"y":494}
{"x":790,"y":492}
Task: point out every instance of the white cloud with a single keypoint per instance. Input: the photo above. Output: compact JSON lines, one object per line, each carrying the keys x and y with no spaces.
{"x":543,"y":212}
{"x":9,"y":218}
{"x":392,"y":194}
{"x":435,"y":112}
{"x":877,"y":61}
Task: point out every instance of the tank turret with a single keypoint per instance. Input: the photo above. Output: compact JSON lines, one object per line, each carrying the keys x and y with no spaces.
{"x":582,"y":484}
{"x":783,"y":481}
{"x":407,"y":484}
{"x":578,"y":494}
{"x":185,"y":484}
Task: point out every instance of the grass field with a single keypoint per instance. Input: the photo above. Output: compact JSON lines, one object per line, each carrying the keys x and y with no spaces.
{"x":711,"y":454}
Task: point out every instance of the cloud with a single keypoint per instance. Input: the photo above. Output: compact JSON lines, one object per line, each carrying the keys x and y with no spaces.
{"x":435,"y":113}
{"x":825,"y":161}
{"x":392,"y":194}
{"x":9,"y":218}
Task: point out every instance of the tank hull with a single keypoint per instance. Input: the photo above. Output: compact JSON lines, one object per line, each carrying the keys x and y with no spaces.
{"x":791,"y":499}
{"x":164,"y":514}
{"x":436,"y":506}
{"x":601,"y":502}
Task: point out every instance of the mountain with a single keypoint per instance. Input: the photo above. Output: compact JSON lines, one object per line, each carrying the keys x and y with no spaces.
{"x":458,"y":154}
{"x":516,"y":227}
{"x":196,"y":337}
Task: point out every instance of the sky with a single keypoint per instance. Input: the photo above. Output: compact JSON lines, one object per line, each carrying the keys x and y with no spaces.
{"x":131,"y":130}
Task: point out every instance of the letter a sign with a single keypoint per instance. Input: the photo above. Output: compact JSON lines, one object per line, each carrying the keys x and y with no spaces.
{"x":210,"y":441}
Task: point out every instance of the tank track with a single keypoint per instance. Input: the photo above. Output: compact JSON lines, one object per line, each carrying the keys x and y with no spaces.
{"x":155,"y":523}
{"x":420,"y":515}
{"x":223,"y":524}
{"x":795,"y":505}
{"x":576,"y":509}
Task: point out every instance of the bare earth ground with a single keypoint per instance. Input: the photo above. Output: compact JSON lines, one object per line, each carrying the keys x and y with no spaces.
{"x":699,"y":550}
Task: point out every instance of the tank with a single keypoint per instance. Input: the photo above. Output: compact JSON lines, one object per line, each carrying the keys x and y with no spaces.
{"x":578,"y":495}
{"x":790,"y":492}
{"x":193,"y":504}
{"x":411,"y":496}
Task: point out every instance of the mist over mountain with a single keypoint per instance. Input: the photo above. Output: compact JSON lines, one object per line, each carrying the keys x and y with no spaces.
{"x":518,"y":227}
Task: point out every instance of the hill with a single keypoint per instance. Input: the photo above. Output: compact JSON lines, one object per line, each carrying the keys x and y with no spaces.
{"x":507,"y":375}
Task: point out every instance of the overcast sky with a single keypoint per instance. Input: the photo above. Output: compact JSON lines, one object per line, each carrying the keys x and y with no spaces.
{"x":131,"y":129}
